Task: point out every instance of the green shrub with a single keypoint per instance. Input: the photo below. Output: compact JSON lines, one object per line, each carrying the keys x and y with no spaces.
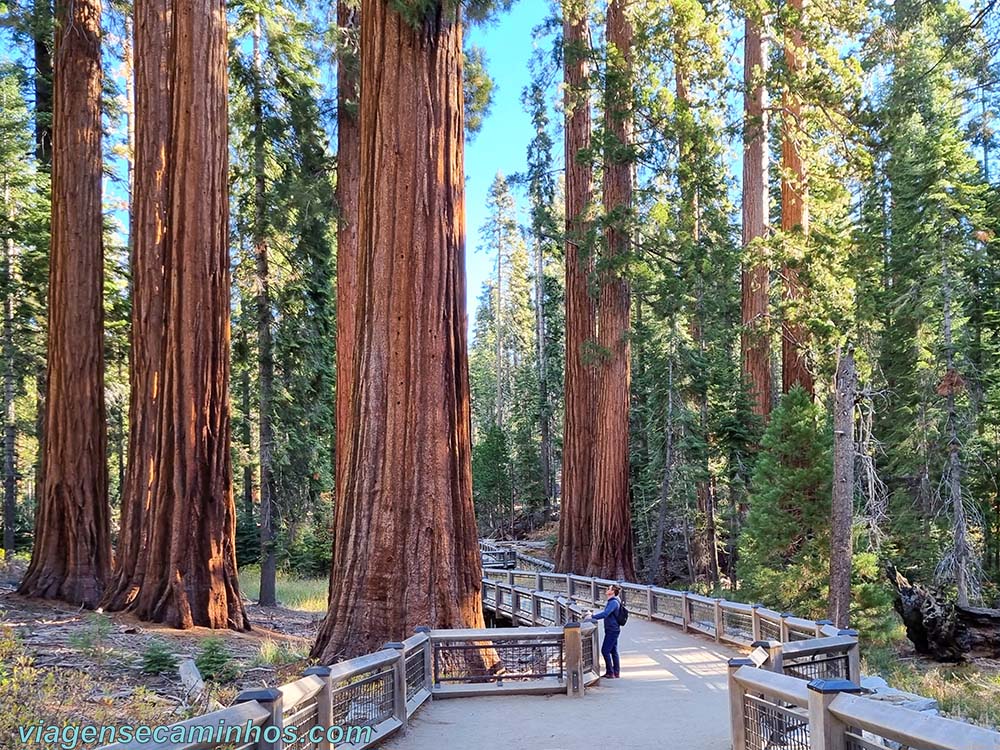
{"x":158,"y":658}
{"x":92,"y":638}
{"x":214,"y":661}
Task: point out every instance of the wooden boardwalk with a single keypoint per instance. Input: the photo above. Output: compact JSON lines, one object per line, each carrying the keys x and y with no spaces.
{"x":672,"y":696}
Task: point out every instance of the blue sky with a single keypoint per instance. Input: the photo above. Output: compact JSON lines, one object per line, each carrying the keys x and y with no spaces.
{"x":503,"y":141}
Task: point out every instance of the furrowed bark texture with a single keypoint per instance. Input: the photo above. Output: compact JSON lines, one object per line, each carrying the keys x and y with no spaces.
{"x":794,"y":216}
{"x":755,"y":341}
{"x":149,"y":236}
{"x":406,"y":551}
{"x":189,"y":577}
{"x":611,"y":550}
{"x":575,"y":515}
{"x":71,"y":559}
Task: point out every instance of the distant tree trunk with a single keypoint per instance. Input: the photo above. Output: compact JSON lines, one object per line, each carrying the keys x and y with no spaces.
{"x":71,"y":559}
{"x":668,"y":470}
{"x":265,"y":358}
{"x":246,"y":436}
{"x":755,"y":339}
{"x":148,"y":234}
{"x":704,"y":543}
{"x":189,"y":574}
{"x":541,"y":358}
{"x":9,"y":381}
{"x":842,"y":519}
{"x":611,"y":548}
{"x":406,"y":550}
{"x":952,"y":383}
{"x":794,"y":212}
{"x":348,"y":175}
{"x":575,"y":515}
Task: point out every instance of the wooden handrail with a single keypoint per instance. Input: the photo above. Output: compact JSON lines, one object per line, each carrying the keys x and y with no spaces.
{"x":773,"y":685}
{"x":234,"y":716}
{"x":813,"y":646}
{"x":296,"y":693}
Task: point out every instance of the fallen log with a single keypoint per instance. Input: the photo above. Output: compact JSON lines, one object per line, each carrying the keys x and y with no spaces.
{"x":941,"y":629}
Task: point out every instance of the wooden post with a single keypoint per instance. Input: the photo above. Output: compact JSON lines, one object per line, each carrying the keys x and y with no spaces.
{"x":324,"y":706}
{"x":720,"y":625}
{"x":783,"y":627}
{"x":510,"y":578}
{"x":819,"y":627}
{"x":536,"y":610}
{"x":573,"y":645}
{"x":649,"y":603}
{"x":538,"y":581}
{"x":569,"y":586}
{"x":271,"y":729}
{"x":685,"y":612}
{"x":853,"y":657}
{"x":515,"y":607}
{"x":737,"y":705}
{"x":774,"y":657}
{"x":399,"y":683}
{"x":593,"y":591}
{"x":428,"y":660}
{"x":826,"y":731}
{"x":755,"y":620}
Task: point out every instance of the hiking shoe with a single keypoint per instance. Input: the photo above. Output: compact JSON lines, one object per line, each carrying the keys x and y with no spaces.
{"x":609,"y":675}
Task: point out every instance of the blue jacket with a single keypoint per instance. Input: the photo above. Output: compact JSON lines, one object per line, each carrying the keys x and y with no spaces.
{"x":608,"y":614}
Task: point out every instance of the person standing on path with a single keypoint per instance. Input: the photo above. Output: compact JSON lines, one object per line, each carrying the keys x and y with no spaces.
{"x":609,"y":648}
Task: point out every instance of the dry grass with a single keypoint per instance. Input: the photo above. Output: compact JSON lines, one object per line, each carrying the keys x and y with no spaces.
{"x":970,"y":692}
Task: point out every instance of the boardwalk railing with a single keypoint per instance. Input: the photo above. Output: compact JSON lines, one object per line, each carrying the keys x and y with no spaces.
{"x":771,"y":710}
{"x":357,"y":703}
{"x":801,"y":690}
{"x":498,"y":555}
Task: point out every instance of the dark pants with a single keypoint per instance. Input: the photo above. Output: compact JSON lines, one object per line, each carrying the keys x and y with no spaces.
{"x":609,"y":649}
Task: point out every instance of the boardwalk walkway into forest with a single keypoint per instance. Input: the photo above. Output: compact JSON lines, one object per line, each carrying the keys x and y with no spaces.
{"x":671,"y":696}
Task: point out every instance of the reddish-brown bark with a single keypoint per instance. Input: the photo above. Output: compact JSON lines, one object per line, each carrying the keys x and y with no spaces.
{"x":576,"y":508}
{"x":71,"y":559}
{"x":406,"y":551}
{"x":794,"y":216}
{"x":348,"y":173}
{"x":755,"y":339}
{"x":149,"y":231}
{"x":611,"y":549}
{"x":189,"y":572}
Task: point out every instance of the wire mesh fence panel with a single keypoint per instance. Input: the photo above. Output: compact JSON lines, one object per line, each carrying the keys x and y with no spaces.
{"x":485,"y":661}
{"x":547,"y":612}
{"x":770,"y":631}
{"x":737,"y":625}
{"x":303,"y":719}
{"x":524,"y":580}
{"x":668,"y":605}
{"x":769,"y":726}
{"x":524,"y":605}
{"x":365,"y":700}
{"x":415,"y":676}
{"x":703,"y":614}
{"x":821,"y":667}
{"x":800,"y":635}
{"x":555,"y":584}
{"x":637,"y":600}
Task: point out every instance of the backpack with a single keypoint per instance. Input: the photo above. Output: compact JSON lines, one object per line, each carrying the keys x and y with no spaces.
{"x":621,"y":614}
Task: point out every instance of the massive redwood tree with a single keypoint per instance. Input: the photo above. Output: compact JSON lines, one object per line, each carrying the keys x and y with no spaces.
{"x":348,"y":173}
{"x":611,"y":548}
{"x":580,"y":380}
{"x":187,"y":574}
{"x":755,"y":343}
{"x":794,"y":213}
{"x":71,"y":558}
{"x":405,"y":549}
{"x":149,"y":234}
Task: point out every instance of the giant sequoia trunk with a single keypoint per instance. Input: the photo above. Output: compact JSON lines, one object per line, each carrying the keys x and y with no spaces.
{"x":71,"y":558}
{"x":148,"y":231}
{"x":405,"y":552}
{"x":794,"y":215}
{"x":842,"y":516}
{"x":611,"y":550}
{"x":575,"y":515}
{"x":348,"y":173}
{"x":755,"y":339}
{"x":188,"y":574}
